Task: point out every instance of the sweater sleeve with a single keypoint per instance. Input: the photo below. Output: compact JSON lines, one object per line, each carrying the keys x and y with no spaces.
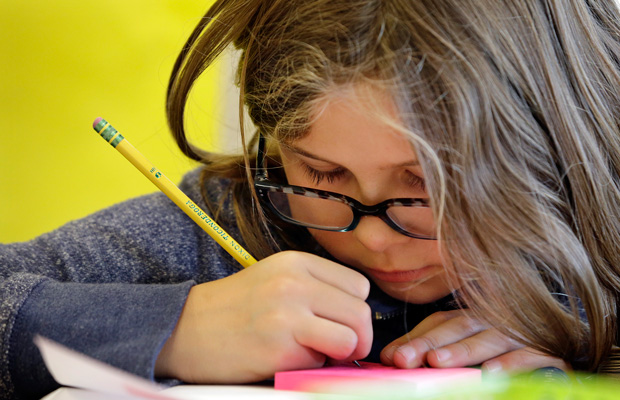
{"x":111,"y":285}
{"x":124,"y":325}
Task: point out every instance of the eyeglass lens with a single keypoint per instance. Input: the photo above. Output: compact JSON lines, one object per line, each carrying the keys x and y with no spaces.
{"x":313,"y":211}
{"x":334,"y":215}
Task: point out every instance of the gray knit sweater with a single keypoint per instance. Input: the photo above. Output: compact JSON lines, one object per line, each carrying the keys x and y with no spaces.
{"x":112,"y":286}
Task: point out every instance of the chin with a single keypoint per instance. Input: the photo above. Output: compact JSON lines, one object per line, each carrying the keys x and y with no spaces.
{"x":415,"y":292}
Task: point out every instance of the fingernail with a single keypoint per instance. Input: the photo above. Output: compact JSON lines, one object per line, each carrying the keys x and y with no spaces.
{"x":492,"y":367}
{"x":407,"y":352}
{"x":389,"y":353}
{"x":443,"y":355}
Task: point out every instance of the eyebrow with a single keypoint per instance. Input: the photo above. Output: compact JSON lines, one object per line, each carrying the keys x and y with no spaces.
{"x":412,"y":163}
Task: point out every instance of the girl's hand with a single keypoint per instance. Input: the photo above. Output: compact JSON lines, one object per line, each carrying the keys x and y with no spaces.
{"x":291,"y":310}
{"x":449,"y":339}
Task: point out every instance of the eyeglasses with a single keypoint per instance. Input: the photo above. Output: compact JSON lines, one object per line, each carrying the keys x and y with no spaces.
{"x":329,"y":211}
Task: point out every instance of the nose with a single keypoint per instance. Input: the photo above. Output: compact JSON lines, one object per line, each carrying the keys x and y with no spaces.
{"x":376,"y":235}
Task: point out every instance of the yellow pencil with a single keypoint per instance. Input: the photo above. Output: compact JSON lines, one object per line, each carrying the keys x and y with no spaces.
{"x":175,"y":194}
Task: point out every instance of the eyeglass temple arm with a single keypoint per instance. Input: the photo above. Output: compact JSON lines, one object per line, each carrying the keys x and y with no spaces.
{"x":261,"y":168}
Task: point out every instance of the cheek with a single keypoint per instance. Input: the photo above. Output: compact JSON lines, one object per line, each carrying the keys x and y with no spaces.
{"x":333,"y":242}
{"x":341,"y":245}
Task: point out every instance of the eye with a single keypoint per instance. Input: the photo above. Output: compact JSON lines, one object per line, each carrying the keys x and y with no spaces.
{"x":415,"y":181}
{"x":318,"y":176}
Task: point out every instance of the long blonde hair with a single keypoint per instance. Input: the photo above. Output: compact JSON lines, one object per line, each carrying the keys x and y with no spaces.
{"x":513,"y":109}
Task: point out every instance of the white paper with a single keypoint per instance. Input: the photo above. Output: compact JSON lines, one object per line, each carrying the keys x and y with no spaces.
{"x":90,"y":379}
{"x":67,"y":393}
{"x":237,"y":392}
{"x":70,"y":368}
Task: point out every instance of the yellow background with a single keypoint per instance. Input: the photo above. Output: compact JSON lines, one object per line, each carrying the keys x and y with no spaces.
{"x":65,"y":63}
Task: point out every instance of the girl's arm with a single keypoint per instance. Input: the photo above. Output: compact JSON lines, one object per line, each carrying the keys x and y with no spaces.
{"x":97,"y":285}
{"x":115,"y":286}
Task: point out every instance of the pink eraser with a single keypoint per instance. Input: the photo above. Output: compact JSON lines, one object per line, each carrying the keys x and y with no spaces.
{"x":96,"y":122}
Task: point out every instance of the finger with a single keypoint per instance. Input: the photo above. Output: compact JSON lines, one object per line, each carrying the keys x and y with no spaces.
{"x":335,"y":340}
{"x":472,"y":350}
{"x":349,"y":311}
{"x":339,"y":276}
{"x":299,"y":357}
{"x":435,"y":320}
{"x":524,"y":359}
{"x":431,"y":322}
{"x":413,"y":354}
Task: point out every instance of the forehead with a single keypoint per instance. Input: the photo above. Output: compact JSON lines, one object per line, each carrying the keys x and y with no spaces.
{"x":358,"y":122}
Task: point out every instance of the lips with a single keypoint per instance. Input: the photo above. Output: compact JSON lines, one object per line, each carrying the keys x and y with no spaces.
{"x":403,"y":276}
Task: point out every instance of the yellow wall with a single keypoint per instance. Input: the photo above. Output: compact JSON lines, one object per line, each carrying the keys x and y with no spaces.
{"x":64,"y":63}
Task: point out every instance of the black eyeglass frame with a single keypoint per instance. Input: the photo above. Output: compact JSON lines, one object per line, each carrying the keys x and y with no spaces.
{"x":263,"y":186}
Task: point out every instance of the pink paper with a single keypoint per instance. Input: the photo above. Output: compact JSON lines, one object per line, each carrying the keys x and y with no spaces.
{"x":327,"y":378}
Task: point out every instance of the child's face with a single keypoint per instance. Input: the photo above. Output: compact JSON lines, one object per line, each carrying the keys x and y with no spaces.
{"x":356,"y":154}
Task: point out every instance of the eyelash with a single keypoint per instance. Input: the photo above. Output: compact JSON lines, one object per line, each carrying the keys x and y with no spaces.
{"x":416,"y":182}
{"x":330,"y":176}
{"x":318,"y":176}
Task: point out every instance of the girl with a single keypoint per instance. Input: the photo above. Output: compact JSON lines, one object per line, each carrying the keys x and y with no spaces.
{"x":430,"y":182}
